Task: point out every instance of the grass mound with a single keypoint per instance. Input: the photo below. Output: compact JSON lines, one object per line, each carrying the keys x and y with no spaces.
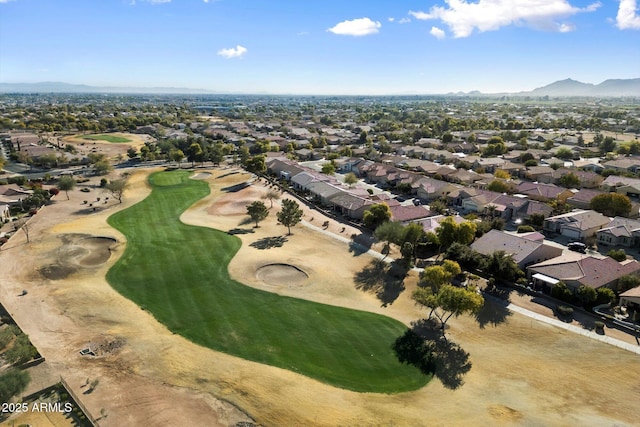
{"x":179,"y":274}
{"x":107,"y":138}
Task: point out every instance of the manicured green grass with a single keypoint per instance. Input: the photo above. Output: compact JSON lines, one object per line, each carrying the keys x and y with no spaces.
{"x":179,"y":274}
{"x":108,"y":138}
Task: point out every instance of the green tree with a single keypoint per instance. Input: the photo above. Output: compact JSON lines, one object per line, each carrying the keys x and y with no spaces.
{"x":390,"y":231}
{"x":564,"y":153}
{"x":449,"y":232}
{"x":605,"y":295}
{"x":531,"y":163}
{"x":21,"y":351}
{"x":290,"y":214}
{"x":116,"y":188}
{"x":608,"y":145}
{"x":627,"y":282}
{"x":561,"y":292}
{"x":449,"y":301}
{"x":12,"y":383}
{"x":256,"y":164}
{"x":132,"y":153}
{"x":438,"y":206}
{"x":376,"y":215}
{"x":437,"y":276}
{"x":350,"y":179}
{"x":587,"y":295}
{"x":501,"y":174}
{"x":611,"y":204}
{"x":617,"y":254}
{"x":570,"y":180}
{"x":502,"y":266}
{"x":329,"y":168}
{"x":525,"y":229}
{"x":66,"y":184}
{"x":257,"y":211}
{"x":498,"y":186}
{"x":195,"y":153}
{"x":176,"y":155}
{"x":102,"y":167}
{"x":536,"y":219}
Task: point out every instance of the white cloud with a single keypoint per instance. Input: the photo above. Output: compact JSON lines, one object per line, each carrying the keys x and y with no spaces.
{"x":234,"y":52}
{"x":5,"y":1}
{"x":566,"y":28}
{"x":404,"y":21}
{"x":437,"y":33}
{"x":463,"y":17}
{"x":628,"y":17}
{"x":356,"y":27}
{"x":391,"y":19}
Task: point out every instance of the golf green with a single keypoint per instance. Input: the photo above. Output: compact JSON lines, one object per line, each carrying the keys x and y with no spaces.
{"x":107,"y":138}
{"x":179,"y":273}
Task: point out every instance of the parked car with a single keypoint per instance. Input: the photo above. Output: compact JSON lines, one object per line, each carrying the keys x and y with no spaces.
{"x":577,"y":247}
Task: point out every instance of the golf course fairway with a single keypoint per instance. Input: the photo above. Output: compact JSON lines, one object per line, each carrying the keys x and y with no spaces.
{"x":179,"y":274}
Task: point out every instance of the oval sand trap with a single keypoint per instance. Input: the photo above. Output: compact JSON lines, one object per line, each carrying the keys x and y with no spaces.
{"x":281,"y":275}
{"x":201,"y":175}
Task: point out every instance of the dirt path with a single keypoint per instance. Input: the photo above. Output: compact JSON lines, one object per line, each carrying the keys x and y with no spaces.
{"x":522,"y":372}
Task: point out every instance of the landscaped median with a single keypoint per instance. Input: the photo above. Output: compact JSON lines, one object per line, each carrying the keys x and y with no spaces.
{"x":179,"y":274}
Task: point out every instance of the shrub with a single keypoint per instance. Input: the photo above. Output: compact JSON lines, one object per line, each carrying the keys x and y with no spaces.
{"x":525,"y":229}
{"x":604,"y":295}
{"x":561,"y":292}
{"x":599,"y":325}
{"x":617,"y":254}
{"x":54,"y":191}
{"x":565,"y":310}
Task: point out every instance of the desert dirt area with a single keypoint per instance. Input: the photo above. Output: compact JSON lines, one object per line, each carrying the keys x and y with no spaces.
{"x":109,"y":149}
{"x":522,"y":372}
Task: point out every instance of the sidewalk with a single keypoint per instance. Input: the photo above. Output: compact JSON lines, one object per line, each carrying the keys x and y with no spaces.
{"x":510,"y":306}
{"x":567,"y":326}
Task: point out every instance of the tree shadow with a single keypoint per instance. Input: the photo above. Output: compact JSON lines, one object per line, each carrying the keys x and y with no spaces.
{"x":494,"y":312}
{"x":360,"y":244}
{"x":246,"y":221}
{"x":452,"y":363}
{"x":385,"y":280}
{"x":227,"y":174}
{"x":269,"y":242}
{"x":424,"y":347}
{"x":413,"y":349}
{"x":234,"y":231}
{"x":235,"y":188}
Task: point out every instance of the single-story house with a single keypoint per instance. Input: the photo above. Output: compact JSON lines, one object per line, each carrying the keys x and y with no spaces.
{"x":612,"y":182}
{"x":523,"y":250}
{"x":576,"y":269}
{"x":620,"y":232}
{"x":543,"y":192}
{"x":582,"y":199}
{"x":349,"y":204}
{"x":432,"y":189}
{"x":631,"y":298}
{"x":577,"y":225}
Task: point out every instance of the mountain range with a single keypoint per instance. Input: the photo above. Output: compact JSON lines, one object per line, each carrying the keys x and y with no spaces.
{"x":561,"y":88}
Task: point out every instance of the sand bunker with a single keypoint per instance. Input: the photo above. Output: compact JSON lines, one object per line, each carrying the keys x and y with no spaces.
{"x":78,"y":251}
{"x":281,"y":274}
{"x":201,"y":175}
{"x":235,"y":203}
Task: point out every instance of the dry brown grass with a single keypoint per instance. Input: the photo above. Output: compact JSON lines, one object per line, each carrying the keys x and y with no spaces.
{"x":523,"y":372}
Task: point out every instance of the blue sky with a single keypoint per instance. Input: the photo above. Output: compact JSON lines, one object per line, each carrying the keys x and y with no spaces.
{"x":320,"y":46}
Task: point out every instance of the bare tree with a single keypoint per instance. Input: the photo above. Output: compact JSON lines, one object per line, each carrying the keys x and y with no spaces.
{"x":271,"y":196}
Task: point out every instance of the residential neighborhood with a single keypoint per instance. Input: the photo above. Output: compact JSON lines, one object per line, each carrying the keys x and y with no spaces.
{"x":536,"y":210}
